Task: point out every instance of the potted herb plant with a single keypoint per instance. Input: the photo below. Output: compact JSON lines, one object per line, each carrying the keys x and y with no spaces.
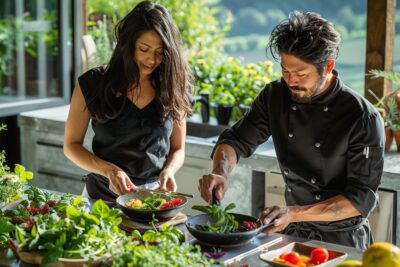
{"x":12,"y":183}
{"x":389,"y":106}
{"x":223,"y":105}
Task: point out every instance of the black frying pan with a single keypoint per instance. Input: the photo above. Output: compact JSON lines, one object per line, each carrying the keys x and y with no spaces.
{"x":142,"y":215}
{"x":223,"y":240}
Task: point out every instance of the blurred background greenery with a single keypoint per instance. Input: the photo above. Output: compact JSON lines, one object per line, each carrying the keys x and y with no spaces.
{"x":225,"y":40}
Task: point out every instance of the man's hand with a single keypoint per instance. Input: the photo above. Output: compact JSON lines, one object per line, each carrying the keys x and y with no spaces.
{"x":279,"y":216}
{"x":208,"y":183}
{"x":120,"y":182}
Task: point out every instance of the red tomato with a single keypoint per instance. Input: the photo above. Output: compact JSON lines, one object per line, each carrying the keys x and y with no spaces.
{"x":319,"y":255}
{"x":283,"y":255}
{"x":292,"y":257}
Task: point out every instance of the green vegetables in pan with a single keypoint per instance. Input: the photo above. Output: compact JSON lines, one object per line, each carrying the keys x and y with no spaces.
{"x":224,"y":222}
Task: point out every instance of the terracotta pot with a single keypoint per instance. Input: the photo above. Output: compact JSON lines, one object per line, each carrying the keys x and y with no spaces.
{"x":389,"y":138}
{"x":396,"y":135}
{"x":396,"y":97}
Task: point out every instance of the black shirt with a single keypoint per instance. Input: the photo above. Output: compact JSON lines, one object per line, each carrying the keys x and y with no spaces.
{"x":331,"y":146}
{"x":136,"y":140}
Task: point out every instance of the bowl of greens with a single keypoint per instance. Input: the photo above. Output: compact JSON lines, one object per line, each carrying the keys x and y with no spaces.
{"x":218,"y":227}
{"x":145,"y":206}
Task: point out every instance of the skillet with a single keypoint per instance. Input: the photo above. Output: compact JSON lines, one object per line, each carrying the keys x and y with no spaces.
{"x":143,"y":215}
{"x":224,"y":240}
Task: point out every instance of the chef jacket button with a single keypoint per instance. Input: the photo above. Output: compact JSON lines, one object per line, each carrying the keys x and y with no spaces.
{"x":286,"y":172}
{"x":326,"y":109}
{"x":290,"y":135}
{"x":317,"y":197}
{"x":294,"y":107}
{"x":289,"y":189}
{"x":317,"y":144}
{"x":313,"y":180}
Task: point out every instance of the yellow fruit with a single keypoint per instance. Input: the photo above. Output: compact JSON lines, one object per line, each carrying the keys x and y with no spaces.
{"x":350,"y":263}
{"x":381,"y":254}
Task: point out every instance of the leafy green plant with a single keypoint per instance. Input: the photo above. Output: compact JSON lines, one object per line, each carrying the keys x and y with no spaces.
{"x":390,"y":75}
{"x":388,"y":104}
{"x":100,"y":31}
{"x":11,"y":183}
{"x":78,"y":234}
{"x":196,"y":20}
{"x":229,"y":81}
{"x":155,"y":248}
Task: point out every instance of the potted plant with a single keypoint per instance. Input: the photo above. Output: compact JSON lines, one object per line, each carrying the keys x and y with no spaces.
{"x":223,"y":105}
{"x":389,"y":106}
{"x":12,"y":183}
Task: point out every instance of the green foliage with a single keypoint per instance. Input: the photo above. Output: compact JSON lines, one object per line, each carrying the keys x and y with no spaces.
{"x":229,"y":81}
{"x":7,"y":42}
{"x":388,"y":103}
{"x":101,"y":32}
{"x":68,"y":230}
{"x":78,"y":235}
{"x":166,"y":253}
{"x":390,"y":75}
{"x":196,"y":20}
{"x":11,"y":183}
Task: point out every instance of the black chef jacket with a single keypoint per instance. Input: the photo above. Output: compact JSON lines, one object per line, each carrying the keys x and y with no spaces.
{"x":136,"y":140}
{"x":332,"y":145}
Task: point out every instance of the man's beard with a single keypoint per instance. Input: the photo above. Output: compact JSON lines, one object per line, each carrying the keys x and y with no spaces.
{"x":306,"y":98}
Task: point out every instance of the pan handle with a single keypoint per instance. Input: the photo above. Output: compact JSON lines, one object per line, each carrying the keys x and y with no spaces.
{"x":215,"y":201}
{"x":264,"y":226}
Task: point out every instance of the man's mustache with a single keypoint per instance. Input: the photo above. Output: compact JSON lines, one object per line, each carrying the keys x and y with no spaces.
{"x":297,"y":88}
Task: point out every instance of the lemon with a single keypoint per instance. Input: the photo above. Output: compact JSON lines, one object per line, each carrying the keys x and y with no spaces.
{"x":381,"y":254}
{"x":350,"y":263}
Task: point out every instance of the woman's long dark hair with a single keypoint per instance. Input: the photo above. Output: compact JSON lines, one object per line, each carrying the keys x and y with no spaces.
{"x":172,"y":79}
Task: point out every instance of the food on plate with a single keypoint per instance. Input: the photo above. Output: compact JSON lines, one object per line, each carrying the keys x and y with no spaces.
{"x":293,"y":258}
{"x":154,"y":202}
{"x":381,"y":254}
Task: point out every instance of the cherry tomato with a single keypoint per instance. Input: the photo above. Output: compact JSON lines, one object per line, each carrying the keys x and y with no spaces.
{"x":283,"y":255}
{"x":292,"y":257}
{"x":319,"y":255}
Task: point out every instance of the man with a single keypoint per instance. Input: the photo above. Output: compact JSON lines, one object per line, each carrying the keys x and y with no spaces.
{"x":328,"y":139}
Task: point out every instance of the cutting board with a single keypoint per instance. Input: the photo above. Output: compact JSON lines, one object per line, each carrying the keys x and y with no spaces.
{"x":128,"y":225}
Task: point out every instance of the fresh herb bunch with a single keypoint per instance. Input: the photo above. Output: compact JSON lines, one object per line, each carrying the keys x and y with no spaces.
{"x":6,"y":227}
{"x":155,"y":248}
{"x":78,"y":234}
{"x":38,"y":203}
{"x":224,"y":222}
{"x":11,"y":183}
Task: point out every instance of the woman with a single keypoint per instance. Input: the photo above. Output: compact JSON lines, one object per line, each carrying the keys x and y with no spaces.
{"x":137,"y":105}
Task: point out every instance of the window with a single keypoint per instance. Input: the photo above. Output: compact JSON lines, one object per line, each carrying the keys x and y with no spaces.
{"x":34,"y":48}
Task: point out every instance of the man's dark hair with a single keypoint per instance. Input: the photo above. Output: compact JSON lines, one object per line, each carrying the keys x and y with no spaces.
{"x":307,"y":36}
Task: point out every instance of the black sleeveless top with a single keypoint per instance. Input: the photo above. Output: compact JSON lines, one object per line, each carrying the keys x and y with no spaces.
{"x":136,"y":140}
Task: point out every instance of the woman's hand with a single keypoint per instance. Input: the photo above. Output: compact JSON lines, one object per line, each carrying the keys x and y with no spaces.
{"x":120,"y":182}
{"x":280,"y":216}
{"x":167,"y":180}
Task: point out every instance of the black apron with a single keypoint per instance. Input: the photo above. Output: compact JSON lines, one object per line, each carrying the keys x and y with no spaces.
{"x":137,"y":140}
